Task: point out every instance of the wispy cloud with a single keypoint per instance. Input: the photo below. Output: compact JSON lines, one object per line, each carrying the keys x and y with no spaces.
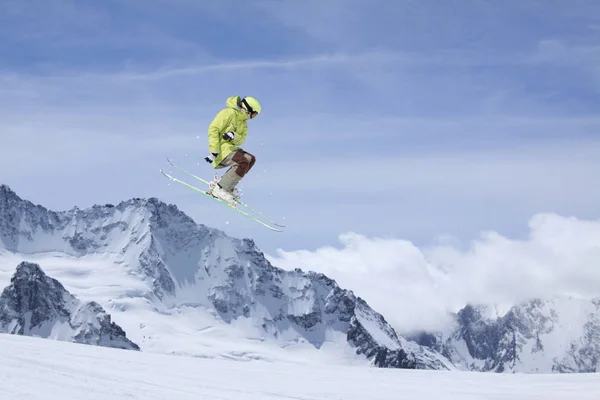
{"x":548,"y":51}
{"x":428,"y":24}
{"x":412,"y":118}
{"x":415,"y":287}
{"x":228,"y":67}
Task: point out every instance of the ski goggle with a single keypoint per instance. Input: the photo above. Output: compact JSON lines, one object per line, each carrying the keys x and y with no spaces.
{"x":249,"y":109}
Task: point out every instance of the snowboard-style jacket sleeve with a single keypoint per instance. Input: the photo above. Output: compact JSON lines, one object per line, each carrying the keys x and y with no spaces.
{"x":217,"y":128}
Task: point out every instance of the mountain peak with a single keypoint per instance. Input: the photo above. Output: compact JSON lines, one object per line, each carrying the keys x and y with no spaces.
{"x":558,"y":334}
{"x":30,"y":280}
{"x":173,"y":257}
{"x":8,"y":195}
{"x":28,"y":269}
{"x":35,"y":304}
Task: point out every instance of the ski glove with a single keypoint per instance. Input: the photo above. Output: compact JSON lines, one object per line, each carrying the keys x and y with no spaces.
{"x":211,"y":157}
{"x":229,"y":136}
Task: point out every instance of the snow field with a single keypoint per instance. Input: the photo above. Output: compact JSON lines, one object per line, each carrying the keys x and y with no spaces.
{"x":34,"y":368}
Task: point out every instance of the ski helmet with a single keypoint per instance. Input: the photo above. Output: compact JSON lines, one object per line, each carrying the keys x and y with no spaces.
{"x":252,"y":105}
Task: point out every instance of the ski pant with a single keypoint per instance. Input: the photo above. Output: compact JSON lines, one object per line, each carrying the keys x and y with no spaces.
{"x":240,"y":163}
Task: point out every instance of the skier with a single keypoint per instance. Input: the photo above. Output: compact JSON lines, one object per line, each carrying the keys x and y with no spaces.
{"x":226,"y":133}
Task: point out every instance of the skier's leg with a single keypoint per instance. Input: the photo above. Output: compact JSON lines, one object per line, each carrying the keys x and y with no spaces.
{"x":252,"y":160}
{"x":240,"y":163}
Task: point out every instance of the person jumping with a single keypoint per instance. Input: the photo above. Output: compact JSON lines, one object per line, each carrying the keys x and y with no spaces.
{"x":226,"y":134}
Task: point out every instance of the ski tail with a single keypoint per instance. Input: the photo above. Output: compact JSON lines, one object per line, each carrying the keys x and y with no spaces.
{"x":187,"y":172}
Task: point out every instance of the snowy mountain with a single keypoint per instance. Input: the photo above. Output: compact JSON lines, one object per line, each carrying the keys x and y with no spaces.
{"x":180,"y":287}
{"x":555,"y":335}
{"x":37,"y":305}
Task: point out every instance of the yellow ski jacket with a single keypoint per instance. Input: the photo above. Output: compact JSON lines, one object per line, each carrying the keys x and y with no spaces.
{"x":230,"y":119}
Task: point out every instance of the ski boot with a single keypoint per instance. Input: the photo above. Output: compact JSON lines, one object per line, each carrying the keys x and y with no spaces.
{"x":217,"y":191}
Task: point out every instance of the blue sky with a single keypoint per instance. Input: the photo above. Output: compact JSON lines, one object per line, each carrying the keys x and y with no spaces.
{"x":406,"y":119}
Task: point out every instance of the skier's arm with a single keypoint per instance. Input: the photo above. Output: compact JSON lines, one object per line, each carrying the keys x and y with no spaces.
{"x":217,"y":128}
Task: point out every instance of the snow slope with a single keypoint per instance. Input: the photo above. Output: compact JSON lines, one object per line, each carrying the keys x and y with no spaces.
{"x":34,"y":368}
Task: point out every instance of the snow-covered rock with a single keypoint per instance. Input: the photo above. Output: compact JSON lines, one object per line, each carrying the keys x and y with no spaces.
{"x":553,"y":335}
{"x":184,"y":264}
{"x":37,"y":305}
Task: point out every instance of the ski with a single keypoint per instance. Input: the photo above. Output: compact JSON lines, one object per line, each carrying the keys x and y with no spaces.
{"x":258,"y":213}
{"x":172,"y":178}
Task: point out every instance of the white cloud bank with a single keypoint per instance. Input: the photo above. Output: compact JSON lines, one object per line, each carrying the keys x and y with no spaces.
{"x":414,"y":288}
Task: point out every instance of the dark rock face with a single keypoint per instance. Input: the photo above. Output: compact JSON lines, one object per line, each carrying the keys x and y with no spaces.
{"x":381,"y":356}
{"x":35,"y":304}
{"x":31,"y":298}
